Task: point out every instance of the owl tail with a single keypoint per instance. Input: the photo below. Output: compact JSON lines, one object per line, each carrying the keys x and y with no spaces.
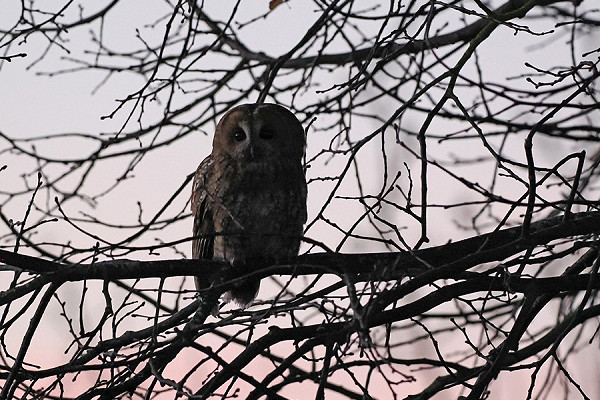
{"x":244,"y":293}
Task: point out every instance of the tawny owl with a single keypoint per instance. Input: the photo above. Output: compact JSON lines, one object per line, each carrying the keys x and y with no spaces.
{"x":249,"y":194}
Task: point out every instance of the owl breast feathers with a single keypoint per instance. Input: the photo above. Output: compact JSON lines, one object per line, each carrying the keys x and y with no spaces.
{"x":249,"y":194}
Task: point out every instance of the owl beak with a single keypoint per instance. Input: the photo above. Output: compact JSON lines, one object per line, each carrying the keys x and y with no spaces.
{"x":253,"y":152}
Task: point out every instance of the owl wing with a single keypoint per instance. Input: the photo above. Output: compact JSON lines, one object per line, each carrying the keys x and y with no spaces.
{"x":202,"y":247}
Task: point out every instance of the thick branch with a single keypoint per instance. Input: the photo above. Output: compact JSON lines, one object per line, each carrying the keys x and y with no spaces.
{"x":394,"y":50}
{"x":455,"y":257}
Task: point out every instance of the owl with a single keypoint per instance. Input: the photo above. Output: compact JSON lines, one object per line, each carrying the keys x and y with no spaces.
{"x":249,"y":195}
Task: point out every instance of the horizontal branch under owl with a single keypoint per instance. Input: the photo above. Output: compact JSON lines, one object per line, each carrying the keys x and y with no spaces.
{"x":446,"y":261}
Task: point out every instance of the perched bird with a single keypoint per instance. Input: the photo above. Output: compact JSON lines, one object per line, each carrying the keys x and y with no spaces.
{"x":249,"y":194}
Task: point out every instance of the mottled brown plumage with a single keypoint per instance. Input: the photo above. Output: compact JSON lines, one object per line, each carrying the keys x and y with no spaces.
{"x":249,"y":194}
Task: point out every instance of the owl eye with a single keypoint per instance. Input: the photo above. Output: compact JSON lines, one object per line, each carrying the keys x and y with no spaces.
{"x":239,"y":135}
{"x":267,"y":134}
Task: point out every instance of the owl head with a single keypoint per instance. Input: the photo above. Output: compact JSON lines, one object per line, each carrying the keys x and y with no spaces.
{"x":259,"y":133}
